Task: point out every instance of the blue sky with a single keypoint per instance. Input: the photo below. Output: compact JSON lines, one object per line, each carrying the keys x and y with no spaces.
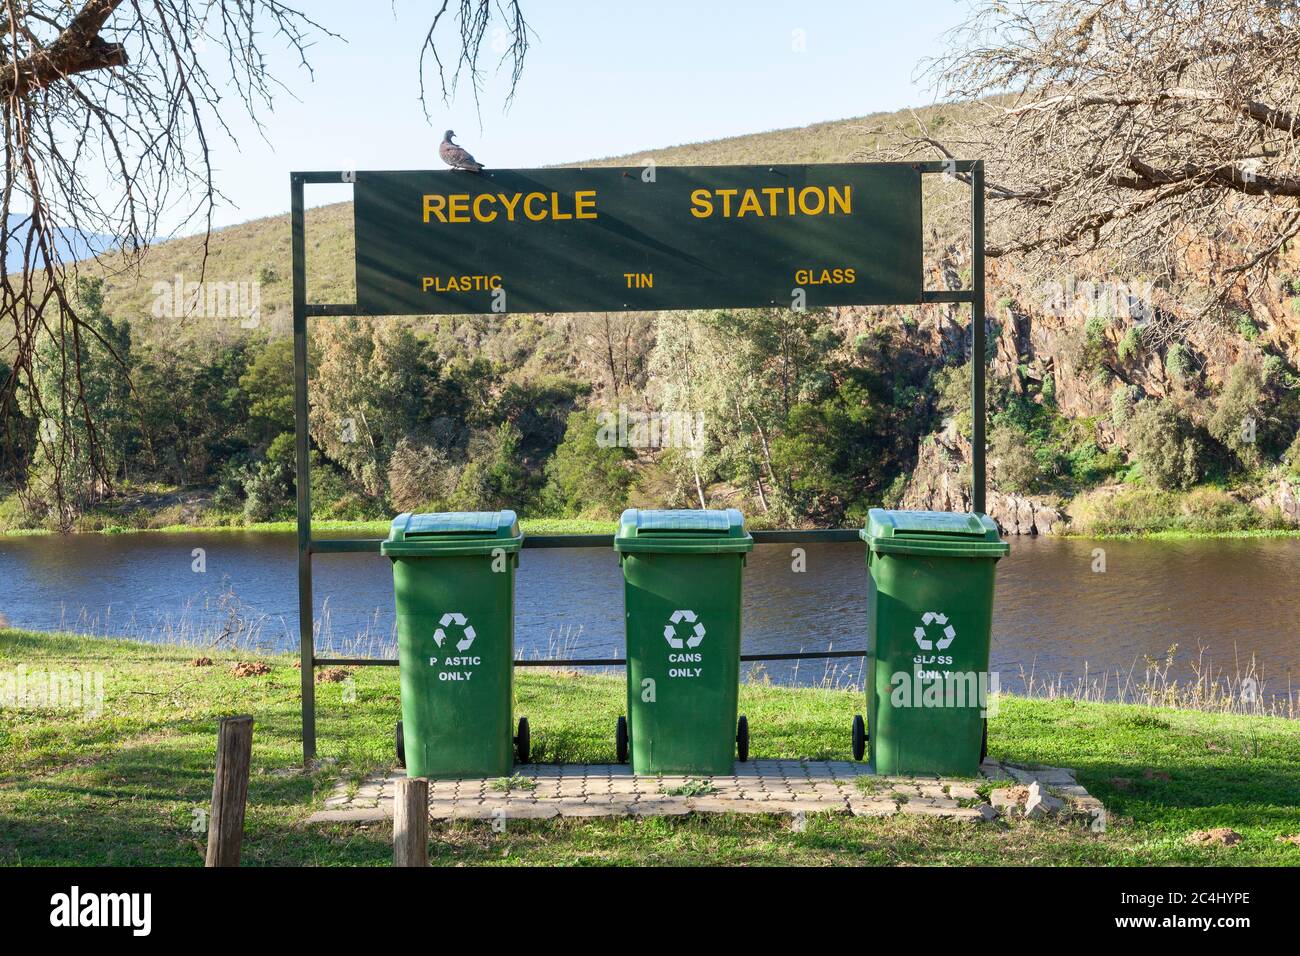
{"x":602,"y":78}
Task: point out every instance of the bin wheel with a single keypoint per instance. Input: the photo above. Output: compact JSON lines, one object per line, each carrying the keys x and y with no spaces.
{"x":523,"y":742}
{"x":742,"y":739}
{"x":984,"y":740}
{"x":859,"y":737}
{"x":620,"y":740}
{"x":401,"y":746}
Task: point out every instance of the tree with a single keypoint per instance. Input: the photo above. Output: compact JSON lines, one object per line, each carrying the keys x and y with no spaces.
{"x":373,"y":386}
{"x":587,"y":476}
{"x":268,"y":386}
{"x":75,"y":453}
{"x":1015,"y":468}
{"x":1164,"y":444}
{"x":421,"y":477}
{"x":108,"y":110}
{"x":1237,"y":422}
{"x":191,"y":409}
{"x":744,"y":372}
{"x":494,"y":477}
{"x":1132,"y":126}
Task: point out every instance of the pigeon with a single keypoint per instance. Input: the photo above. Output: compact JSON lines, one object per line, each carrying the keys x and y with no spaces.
{"x":455,"y":156}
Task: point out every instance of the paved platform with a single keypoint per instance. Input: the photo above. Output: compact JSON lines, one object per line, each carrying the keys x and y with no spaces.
{"x":790,"y":787}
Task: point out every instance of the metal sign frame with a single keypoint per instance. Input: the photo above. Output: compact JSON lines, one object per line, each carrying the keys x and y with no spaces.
{"x":971,"y":170}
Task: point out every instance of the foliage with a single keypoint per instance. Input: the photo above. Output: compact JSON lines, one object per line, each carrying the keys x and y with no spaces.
{"x":1147,"y":510}
{"x":1130,"y":345}
{"x":421,"y":477}
{"x":1015,"y":467}
{"x":1164,"y":444}
{"x":589,"y":474}
{"x":952,"y":383}
{"x":1178,"y":361}
{"x":1292,"y":455}
{"x":494,"y":477}
{"x":84,"y":437}
{"x":1236,"y":419}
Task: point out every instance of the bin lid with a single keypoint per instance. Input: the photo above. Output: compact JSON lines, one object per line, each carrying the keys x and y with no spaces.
{"x":684,"y":531}
{"x":453,"y":532}
{"x":942,"y":533}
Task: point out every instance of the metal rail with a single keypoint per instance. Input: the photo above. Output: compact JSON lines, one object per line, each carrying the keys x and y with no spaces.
{"x":971,"y":171}
{"x":591,"y":661}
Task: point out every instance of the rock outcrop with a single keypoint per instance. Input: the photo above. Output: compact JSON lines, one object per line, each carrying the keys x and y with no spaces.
{"x":939,"y":483}
{"x":1284,"y":497}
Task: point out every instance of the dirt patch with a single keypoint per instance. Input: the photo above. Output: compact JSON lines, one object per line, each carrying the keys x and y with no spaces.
{"x":1155,"y":775}
{"x":201,"y":662}
{"x":1292,"y":838}
{"x":332,"y":675}
{"x":250,"y":669}
{"x":1219,"y":836}
{"x":1121,"y":783}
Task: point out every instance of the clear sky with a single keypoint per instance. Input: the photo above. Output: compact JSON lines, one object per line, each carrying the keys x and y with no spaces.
{"x":601,"y":79}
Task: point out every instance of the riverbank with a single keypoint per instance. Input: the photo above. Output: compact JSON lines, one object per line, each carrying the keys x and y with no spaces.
{"x":123,"y":781}
{"x":538,"y":526}
{"x":1109,"y":512}
{"x":369,"y":529}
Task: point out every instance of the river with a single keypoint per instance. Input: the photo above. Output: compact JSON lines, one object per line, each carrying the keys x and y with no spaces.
{"x":1223,"y":602}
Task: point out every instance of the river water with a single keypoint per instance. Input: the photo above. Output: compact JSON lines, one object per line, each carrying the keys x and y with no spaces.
{"x":1223,"y":602}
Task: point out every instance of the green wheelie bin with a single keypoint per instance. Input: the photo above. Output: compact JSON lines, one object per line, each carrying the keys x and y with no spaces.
{"x":454,"y":584}
{"x":930,"y":612}
{"x":681,"y":574}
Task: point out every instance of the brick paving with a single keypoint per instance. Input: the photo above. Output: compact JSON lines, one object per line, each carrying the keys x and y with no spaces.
{"x":786,"y":787}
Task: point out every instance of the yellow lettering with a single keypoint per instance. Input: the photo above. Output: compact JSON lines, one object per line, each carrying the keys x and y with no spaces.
{"x":479,"y":214}
{"x":458,"y":208}
{"x":584,"y":204}
{"x":842,"y":198}
{"x":749,"y":203}
{"x":807,"y":209}
{"x":771,"y":192}
{"x":528,"y":207}
{"x":701,"y":206}
{"x":510,"y":202}
{"x":433,"y":205}
{"x":725,"y":195}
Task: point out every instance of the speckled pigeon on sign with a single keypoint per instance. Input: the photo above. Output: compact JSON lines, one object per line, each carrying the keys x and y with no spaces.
{"x":455,"y":156}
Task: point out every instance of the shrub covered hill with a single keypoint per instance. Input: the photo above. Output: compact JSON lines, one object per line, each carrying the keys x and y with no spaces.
{"x":1100,"y":421}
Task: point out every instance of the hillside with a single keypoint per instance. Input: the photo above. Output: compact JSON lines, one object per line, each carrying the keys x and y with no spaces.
{"x":1098,"y":423}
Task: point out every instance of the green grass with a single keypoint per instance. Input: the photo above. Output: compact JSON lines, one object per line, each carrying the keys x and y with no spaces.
{"x":123,"y":787}
{"x":1206,"y":511}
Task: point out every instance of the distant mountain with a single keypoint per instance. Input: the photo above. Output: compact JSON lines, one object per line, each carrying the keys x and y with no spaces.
{"x":70,"y":244}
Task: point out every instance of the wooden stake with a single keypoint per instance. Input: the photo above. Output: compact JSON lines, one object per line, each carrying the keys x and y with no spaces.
{"x":230,"y":791}
{"x":411,"y":822}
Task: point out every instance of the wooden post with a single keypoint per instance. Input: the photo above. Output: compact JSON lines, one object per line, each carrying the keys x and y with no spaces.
{"x":230,"y":791}
{"x":411,"y":822}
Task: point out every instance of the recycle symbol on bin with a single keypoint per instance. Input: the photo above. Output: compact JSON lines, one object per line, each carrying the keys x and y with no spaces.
{"x":934,"y":617}
{"x":447,"y":620}
{"x":670,"y":630}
